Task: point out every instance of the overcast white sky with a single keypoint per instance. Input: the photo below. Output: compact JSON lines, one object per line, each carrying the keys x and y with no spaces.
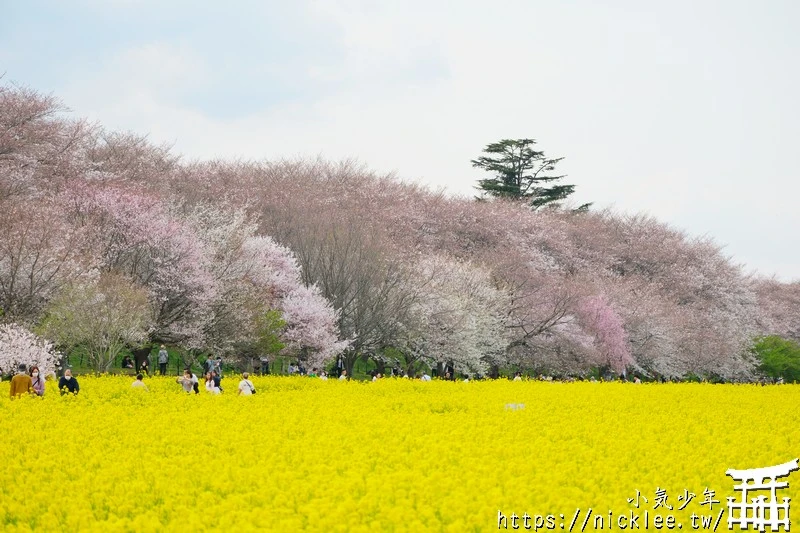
{"x":686,"y":110}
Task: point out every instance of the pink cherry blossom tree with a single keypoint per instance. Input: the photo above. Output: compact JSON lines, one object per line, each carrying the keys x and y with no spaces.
{"x":39,"y":253}
{"x":577,"y":284}
{"x":600,"y":319}
{"x":39,"y":148}
{"x":136,"y":235}
{"x":254,"y":275}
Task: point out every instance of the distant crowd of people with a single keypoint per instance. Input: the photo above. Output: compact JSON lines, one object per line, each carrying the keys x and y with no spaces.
{"x":30,"y":381}
{"x":212,"y":383}
{"x":212,"y":372}
{"x":163,"y":360}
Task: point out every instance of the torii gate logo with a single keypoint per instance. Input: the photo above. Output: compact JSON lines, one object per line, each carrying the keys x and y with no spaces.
{"x":760,"y":512}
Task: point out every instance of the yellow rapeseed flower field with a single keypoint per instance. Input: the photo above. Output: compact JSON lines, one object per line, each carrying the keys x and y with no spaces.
{"x":395,"y":455}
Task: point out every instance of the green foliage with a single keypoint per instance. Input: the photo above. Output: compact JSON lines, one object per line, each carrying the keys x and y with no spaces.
{"x":103,"y":318}
{"x":410,"y":365}
{"x":269,"y":327}
{"x":522,"y":172}
{"x":778,"y":357}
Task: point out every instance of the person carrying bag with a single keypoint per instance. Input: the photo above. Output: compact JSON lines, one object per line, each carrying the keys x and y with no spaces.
{"x":246,"y":387}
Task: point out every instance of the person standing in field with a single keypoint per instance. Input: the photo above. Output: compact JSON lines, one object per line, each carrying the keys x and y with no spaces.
{"x":343,"y":376}
{"x":21,"y":383}
{"x":185,"y":380}
{"x":217,"y":380}
{"x":139,"y":383}
{"x":37,"y":381}
{"x":246,"y":386}
{"x":189,"y":381}
{"x":211,"y":385}
{"x":163,"y":359}
{"x":195,"y":382}
{"x":68,"y":384}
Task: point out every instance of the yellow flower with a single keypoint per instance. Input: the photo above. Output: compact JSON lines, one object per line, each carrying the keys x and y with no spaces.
{"x":400,"y":456}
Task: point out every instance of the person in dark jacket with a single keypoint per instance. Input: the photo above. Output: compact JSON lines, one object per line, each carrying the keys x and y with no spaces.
{"x":217,"y":380}
{"x":68,"y":384}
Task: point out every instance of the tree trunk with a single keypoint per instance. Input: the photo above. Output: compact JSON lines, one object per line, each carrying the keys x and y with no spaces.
{"x":350,"y":359}
{"x":139,"y":356}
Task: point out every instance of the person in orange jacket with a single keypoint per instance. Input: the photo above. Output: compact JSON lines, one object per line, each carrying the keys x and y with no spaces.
{"x":21,"y":383}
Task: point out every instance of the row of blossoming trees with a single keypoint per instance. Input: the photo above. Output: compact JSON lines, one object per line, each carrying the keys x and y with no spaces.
{"x":108,"y":242}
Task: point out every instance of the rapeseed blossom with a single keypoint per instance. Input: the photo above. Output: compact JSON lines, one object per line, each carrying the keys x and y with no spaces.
{"x":395,"y":455}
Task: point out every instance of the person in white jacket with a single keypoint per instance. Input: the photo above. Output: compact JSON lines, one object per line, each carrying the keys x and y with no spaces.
{"x":211,"y":386}
{"x":246,"y":386}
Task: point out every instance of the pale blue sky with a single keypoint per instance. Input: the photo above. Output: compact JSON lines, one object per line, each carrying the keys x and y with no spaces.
{"x":686,"y":110}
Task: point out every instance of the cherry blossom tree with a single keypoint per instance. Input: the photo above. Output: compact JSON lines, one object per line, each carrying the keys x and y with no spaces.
{"x":312,"y":325}
{"x":19,"y":346}
{"x":334,"y":246}
{"x":126,"y":157}
{"x":610,"y":338}
{"x":457,"y":317}
{"x":39,"y":148}
{"x":39,"y":253}
{"x":655,"y":276}
{"x":255,"y":275}
{"x":102,"y":317}
{"x":310,"y":318}
{"x":134,"y":234}
{"x":686,"y":307}
{"x":356,"y":273}
{"x":779,"y":308}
